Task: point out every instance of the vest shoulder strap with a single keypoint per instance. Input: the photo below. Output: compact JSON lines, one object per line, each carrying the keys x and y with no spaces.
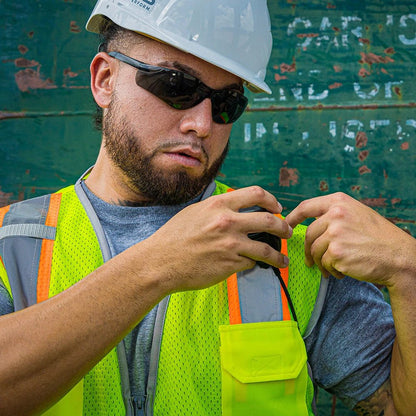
{"x":28,"y":232}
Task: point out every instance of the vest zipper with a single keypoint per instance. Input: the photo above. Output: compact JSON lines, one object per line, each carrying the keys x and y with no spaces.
{"x":139,"y":406}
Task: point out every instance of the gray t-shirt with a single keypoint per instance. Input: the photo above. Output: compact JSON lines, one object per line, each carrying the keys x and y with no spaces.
{"x":349,"y":349}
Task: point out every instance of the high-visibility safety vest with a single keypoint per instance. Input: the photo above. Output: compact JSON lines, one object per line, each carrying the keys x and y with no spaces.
{"x":230,"y":349}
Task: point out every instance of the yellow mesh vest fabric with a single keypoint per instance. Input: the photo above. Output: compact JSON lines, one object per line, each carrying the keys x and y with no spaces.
{"x":4,"y":278}
{"x":191,"y":331}
{"x":76,"y":254}
{"x":189,"y":374}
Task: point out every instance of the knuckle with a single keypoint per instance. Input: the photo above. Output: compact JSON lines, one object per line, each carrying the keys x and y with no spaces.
{"x":216,"y":201}
{"x":267,"y":252}
{"x":228,"y":246}
{"x":269,"y":220}
{"x":338,"y":212}
{"x":223,"y":222}
{"x":341,"y":198}
{"x":335,"y":252}
{"x":257,"y":191}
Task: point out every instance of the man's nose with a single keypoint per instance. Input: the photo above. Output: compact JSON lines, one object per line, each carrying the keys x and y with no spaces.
{"x":198,"y":119}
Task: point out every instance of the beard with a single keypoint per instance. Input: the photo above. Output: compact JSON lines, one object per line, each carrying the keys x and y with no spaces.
{"x":158,"y":187}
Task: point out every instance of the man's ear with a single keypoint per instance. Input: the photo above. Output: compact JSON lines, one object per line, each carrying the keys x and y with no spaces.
{"x":103,"y":70}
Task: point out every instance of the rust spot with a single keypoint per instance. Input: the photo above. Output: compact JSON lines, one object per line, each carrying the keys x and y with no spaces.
{"x":288,"y":177}
{"x":374,"y":202}
{"x":288,"y":68}
{"x":363,"y":170}
{"x":73,"y":27}
{"x":69,"y":73}
{"x":397,"y":91}
{"x":307,"y":35}
{"x":371,"y":58}
{"x":396,"y":220}
{"x":323,"y":186}
{"x":385,"y":174}
{"x":363,"y":73}
{"x":335,"y":85}
{"x":355,"y":188}
{"x":390,"y":51}
{"x":404,"y":146}
{"x":331,"y":6}
{"x":335,"y":29}
{"x":5,"y":198}
{"x":364,"y":40}
{"x":31,"y":34}
{"x":395,"y":201}
{"x":337,"y":68}
{"x":361,"y":140}
{"x":363,"y":155}
{"x":278,"y":77}
{"x":384,"y":71}
{"x":22,"y":49}
{"x":29,"y":79}
{"x":24,"y":63}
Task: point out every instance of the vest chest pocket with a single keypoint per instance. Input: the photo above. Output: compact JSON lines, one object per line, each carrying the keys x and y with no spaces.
{"x":264,"y":370}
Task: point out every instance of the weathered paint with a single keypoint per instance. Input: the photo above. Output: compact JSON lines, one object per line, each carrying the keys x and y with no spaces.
{"x":341,"y":116}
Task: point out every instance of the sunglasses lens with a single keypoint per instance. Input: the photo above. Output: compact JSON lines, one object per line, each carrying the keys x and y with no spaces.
{"x":175,"y":88}
{"x":182,"y":91}
{"x":227,"y":106}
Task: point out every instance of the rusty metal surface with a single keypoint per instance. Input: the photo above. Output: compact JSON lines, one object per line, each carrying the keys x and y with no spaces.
{"x":46,"y":133}
{"x":341,"y":116}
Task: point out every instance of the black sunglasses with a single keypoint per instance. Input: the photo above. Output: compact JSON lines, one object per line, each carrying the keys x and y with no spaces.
{"x":181,"y":90}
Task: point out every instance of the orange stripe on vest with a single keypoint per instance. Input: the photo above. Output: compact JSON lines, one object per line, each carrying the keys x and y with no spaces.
{"x":3,"y":212}
{"x":45,"y":262}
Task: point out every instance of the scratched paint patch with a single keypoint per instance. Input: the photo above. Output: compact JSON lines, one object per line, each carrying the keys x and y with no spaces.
{"x":288,"y":177}
{"x":29,"y":79}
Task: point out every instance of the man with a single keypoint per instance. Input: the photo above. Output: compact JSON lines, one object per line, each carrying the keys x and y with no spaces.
{"x":146,"y":210}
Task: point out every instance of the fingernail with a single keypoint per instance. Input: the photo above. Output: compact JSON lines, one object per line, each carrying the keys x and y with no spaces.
{"x":286,"y":261}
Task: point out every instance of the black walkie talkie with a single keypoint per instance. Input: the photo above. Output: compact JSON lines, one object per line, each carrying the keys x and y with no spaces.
{"x":272,"y":240}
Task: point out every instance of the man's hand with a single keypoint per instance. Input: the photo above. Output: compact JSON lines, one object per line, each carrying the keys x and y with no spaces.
{"x":207,"y":242}
{"x":349,"y":238}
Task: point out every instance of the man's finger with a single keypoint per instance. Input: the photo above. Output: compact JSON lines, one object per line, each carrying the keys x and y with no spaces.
{"x":310,"y":208}
{"x":253,"y":195}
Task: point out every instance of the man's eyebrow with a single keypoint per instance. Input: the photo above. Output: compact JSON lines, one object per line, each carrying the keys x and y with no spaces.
{"x":187,"y":69}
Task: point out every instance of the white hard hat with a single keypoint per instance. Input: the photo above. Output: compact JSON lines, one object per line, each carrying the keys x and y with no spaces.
{"x":234,"y":35}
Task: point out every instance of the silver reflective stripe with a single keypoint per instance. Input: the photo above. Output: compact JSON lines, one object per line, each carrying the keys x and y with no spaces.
{"x":317,"y":309}
{"x":157,"y":335}
{"x":28,"y":230}
{"x":315,"y":390}
{"x":154,"y":355}
{"x":260,"y":296}
{"x":95,"y":222}
{"x":209,"y":191}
